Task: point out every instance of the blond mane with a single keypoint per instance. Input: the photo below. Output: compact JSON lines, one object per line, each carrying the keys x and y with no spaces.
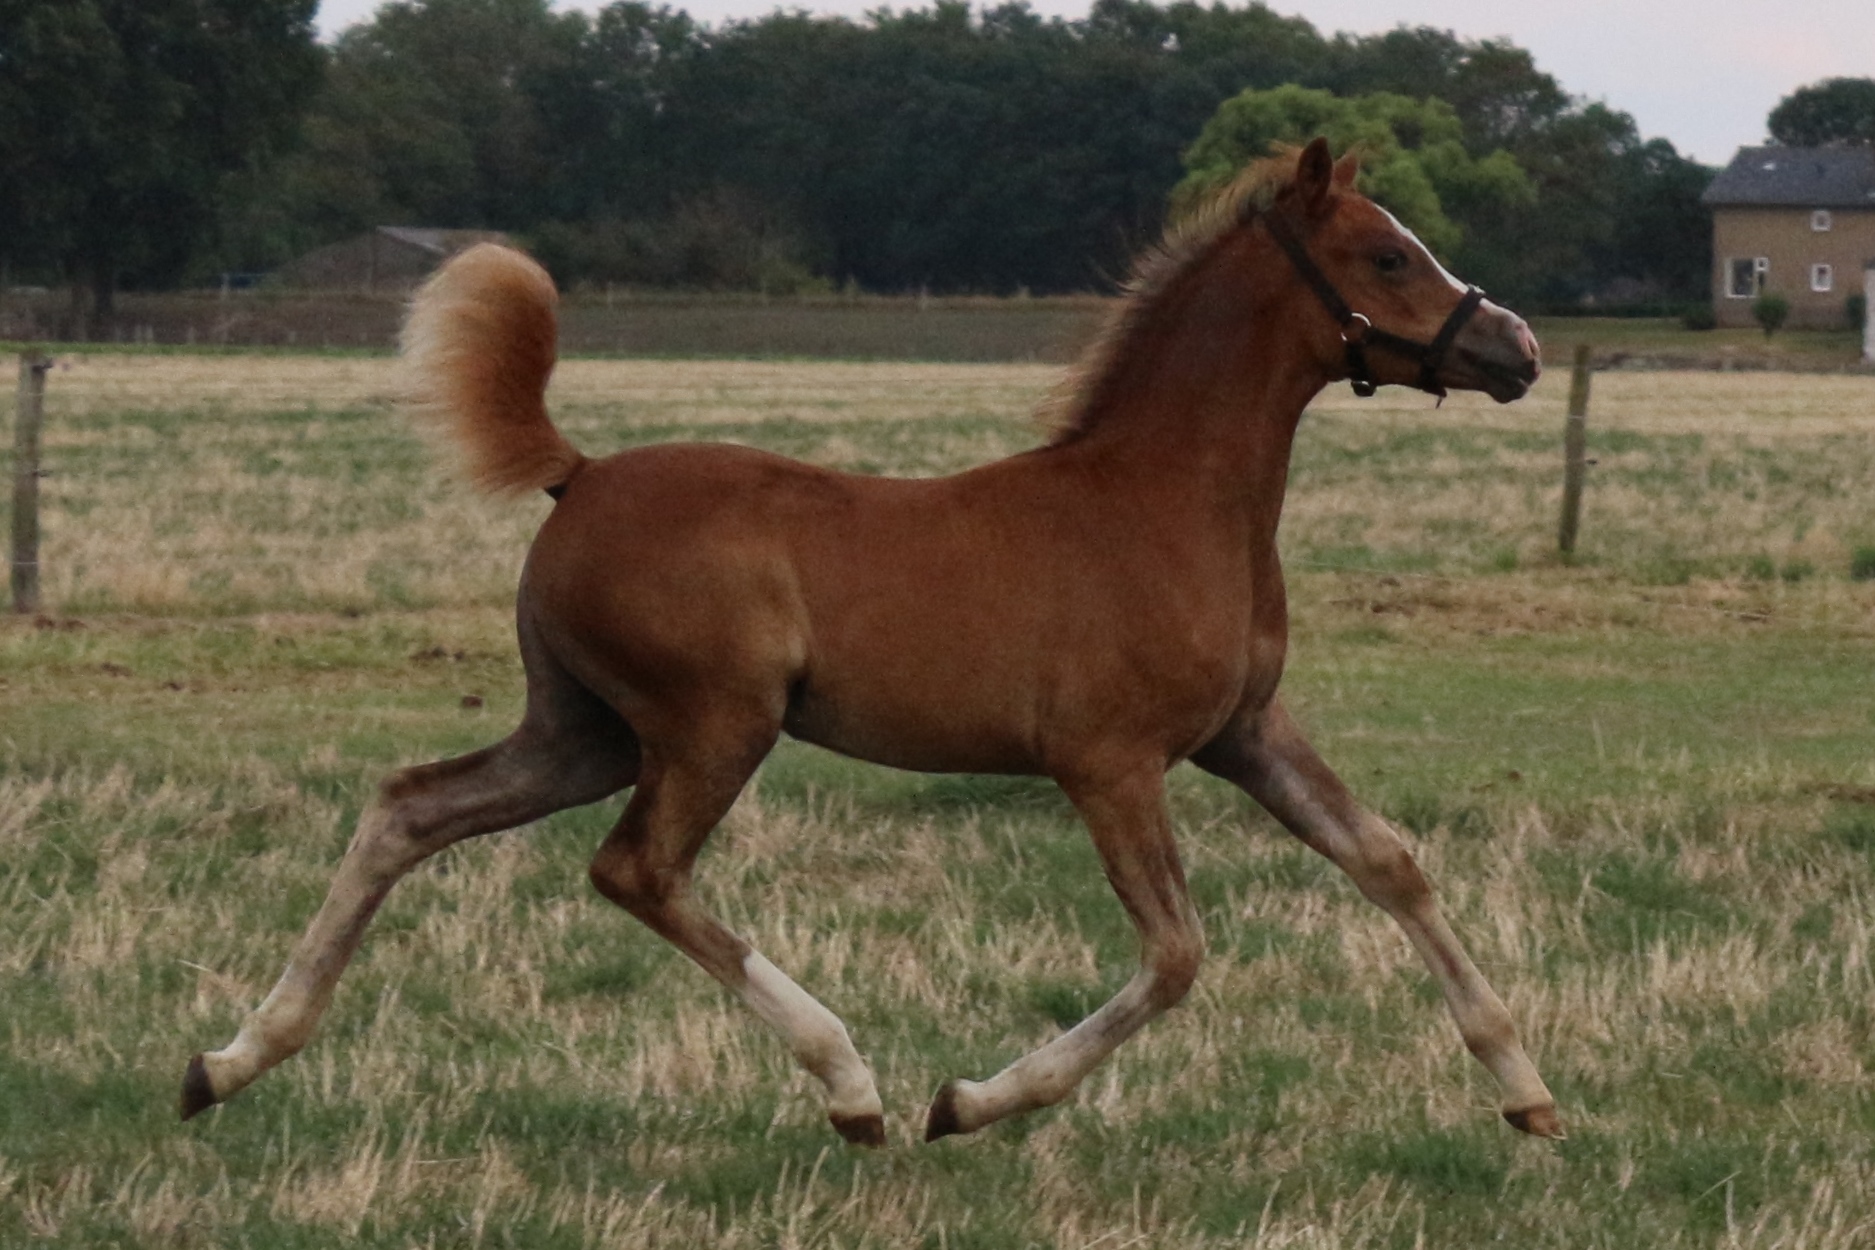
{"x":1189,"y":238}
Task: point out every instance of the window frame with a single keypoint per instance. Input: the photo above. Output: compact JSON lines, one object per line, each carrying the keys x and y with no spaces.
{"x":1826,"y":273}
{"x":1820,"y":221}
{"x":1760,"y":272}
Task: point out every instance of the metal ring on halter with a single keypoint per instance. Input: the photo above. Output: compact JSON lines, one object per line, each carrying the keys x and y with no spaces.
{"x":1356,"y":319}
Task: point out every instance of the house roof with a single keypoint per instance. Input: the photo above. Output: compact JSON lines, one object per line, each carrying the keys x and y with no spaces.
{"x":1796,"y":178}
{"x":439,"y":242}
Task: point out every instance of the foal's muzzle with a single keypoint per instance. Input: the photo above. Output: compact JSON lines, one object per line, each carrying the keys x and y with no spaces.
{"x":1495,"y":353}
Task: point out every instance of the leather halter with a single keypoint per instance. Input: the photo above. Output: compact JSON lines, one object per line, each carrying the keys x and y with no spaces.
{"x":1358,"y":333}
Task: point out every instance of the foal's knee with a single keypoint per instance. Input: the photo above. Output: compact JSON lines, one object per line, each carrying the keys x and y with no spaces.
{"x":400,"y":826}
{"x":1174,"y":965}
{"x":386,"y":839}
{"x":628,"y":880}
{"x":1388,"y":872}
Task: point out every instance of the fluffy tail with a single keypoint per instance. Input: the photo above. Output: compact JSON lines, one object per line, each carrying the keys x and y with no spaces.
{"x":478,"y":348}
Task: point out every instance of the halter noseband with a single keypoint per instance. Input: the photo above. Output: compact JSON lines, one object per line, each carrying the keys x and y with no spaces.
{"x":1358,"y":333}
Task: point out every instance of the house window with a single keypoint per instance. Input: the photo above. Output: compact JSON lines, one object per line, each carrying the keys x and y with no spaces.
{"x":1746,"y":276}
{"x":1819,"y":220}
{"x":1822,"y":278}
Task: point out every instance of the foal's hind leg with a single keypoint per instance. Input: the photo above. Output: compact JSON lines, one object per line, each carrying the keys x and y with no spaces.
{"x":691,"y":777}
{"x":1133,"y":833}
{"x":1270,"y":759}
{"x":569,"y":751}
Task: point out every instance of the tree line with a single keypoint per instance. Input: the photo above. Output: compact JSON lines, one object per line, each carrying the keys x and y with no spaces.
{"x":945,"y":148}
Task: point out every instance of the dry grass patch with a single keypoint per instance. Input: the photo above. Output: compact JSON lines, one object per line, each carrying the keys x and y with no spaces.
{"x":511,"y":1055}
{"x":249,"y":483}
{"x":1639,"y":784}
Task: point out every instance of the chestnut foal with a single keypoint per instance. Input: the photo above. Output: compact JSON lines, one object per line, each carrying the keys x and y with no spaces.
{"x":1095,"y":611}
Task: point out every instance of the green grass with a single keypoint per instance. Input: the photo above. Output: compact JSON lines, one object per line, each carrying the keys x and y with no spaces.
{"x":1643,"y":791}
{"x":1663,"y":845}
{"x":1665,"y":341}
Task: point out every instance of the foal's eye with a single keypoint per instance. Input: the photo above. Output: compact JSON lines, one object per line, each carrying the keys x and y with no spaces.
{"x":1390,"y":261}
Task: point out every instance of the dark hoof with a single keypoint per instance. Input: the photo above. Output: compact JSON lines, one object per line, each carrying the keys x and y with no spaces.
{"x":1537,"y":1121}
{"x":942,"y":1120}
{"x":861,"y":1130}
{"x":197,"y":1094}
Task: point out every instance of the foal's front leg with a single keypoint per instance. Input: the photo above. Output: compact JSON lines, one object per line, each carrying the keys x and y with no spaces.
{"x":1269,"y":758}
{"x":1133,"y":833}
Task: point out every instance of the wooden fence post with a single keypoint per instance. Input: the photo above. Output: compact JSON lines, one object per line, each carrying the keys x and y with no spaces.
{"x":1575,"y":450}
{"x":33,"y":367}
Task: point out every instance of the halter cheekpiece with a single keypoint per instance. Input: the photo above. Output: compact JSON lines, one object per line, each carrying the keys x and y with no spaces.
{"x":1358,"y":332}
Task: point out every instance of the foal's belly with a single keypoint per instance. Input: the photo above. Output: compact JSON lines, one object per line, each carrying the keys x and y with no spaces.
{"x":975,"y":706}
{"x":923,"y":699}
{"x":960,"y":728}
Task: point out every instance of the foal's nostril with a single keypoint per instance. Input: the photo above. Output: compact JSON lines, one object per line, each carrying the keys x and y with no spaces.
{"x":1531,"y":350}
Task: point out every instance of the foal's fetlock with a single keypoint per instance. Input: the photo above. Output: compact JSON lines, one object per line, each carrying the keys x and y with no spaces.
{"x":198,"y":1092}
{"x":863,"y":1129}
{"x":1538,"y":1121}
{"x":218,"y":1075}
{"x":214,"y":1078}
{"x":950,"y":1111}
{"x":859,"y":1116}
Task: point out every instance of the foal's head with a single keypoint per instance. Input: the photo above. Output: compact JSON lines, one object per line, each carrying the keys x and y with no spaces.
{"x":1375,"y":286}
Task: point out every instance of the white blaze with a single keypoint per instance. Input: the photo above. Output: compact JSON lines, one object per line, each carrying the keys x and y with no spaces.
{"x":1445,"y":273}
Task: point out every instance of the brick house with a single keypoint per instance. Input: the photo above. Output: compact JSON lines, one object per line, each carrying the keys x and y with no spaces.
{"x":1799,"y":222}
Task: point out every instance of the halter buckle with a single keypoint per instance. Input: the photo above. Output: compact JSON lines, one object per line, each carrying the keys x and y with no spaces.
{"x":1354,"y":329}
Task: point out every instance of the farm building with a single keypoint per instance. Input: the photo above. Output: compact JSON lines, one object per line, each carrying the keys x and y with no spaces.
{"x":1798,"y":222}
{"x":389,"y":258}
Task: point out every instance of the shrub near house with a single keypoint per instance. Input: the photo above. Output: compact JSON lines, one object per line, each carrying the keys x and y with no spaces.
{"x":1793,"y":222}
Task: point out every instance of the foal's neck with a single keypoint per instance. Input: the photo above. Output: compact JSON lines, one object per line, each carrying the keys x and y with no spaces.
{"x":1205,"y":407}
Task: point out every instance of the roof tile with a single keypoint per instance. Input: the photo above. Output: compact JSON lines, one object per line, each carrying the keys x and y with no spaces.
{"x":1796,"y":178}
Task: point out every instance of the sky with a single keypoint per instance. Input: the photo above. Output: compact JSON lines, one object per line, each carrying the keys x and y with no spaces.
{"x":1701,"y":73}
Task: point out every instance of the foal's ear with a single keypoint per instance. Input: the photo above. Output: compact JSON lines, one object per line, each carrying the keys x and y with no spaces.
{"x":1347,"y":169}
{"x":1315,"y":176}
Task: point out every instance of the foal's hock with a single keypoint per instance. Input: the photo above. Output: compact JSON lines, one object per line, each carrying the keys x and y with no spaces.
{"x":1095,"y":610}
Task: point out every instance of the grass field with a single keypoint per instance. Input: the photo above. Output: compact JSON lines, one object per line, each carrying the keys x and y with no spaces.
{"x":1642,"y":781}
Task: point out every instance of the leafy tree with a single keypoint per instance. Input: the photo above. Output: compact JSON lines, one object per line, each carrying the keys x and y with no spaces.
{"x":1834,"y":111}
{"x":430,"y":115}
{"x":1614,"y":215}
{"x":950,"y":147}
{"x":1416,"y":161}
{"x":604,"y":113}
{"x":121,"y":121}
{"x":954,"y":148}
{"x":1661,"y":241}
{"x":1495,"y":88}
